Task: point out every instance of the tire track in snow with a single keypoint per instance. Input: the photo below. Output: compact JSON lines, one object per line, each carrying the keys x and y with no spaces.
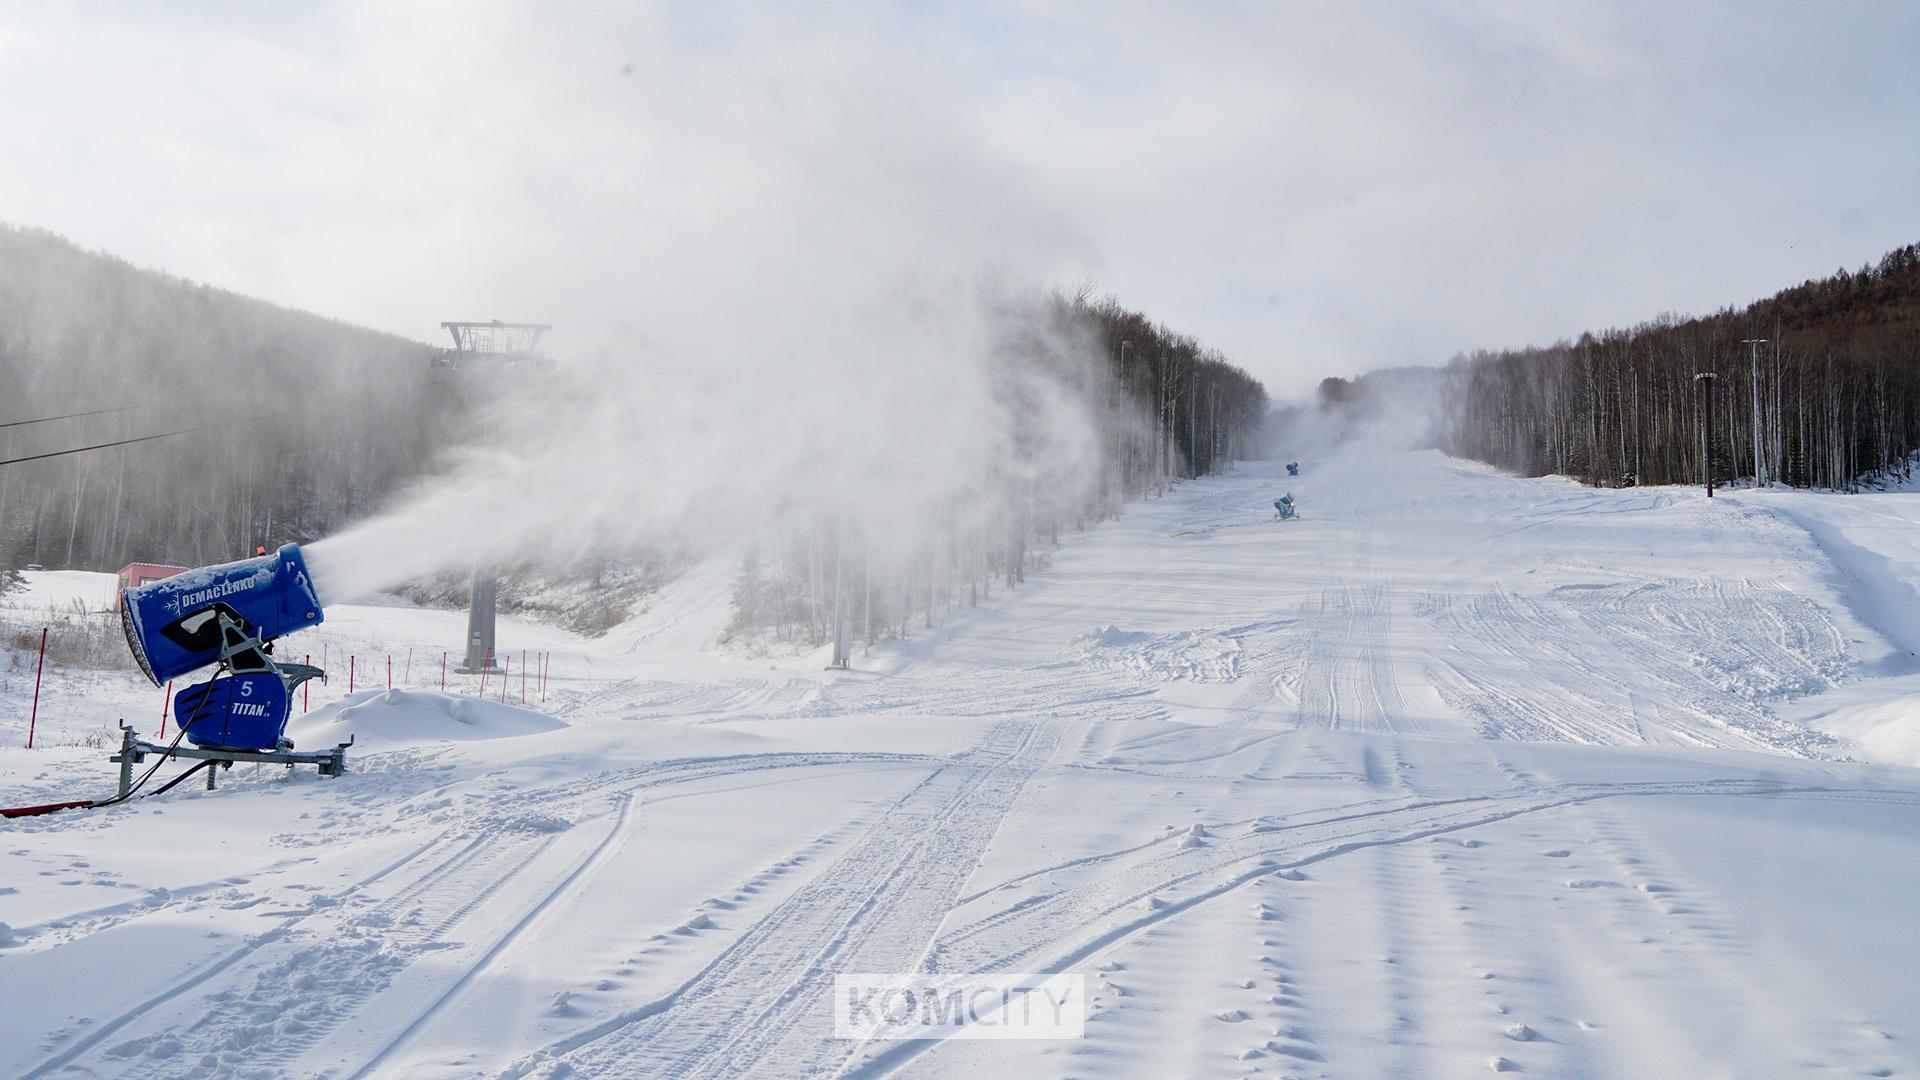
{"x":346,"y":946}
{"x":1120,"y":902}
{"x":1059,"y":931}
{"x":1674,"y":661}
{"x":1347,"y":680}
{"x":762,"y":1006}
{"x":622,"y":822}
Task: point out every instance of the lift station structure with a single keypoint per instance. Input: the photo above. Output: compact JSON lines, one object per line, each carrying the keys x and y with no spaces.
{"x":485,"y":348}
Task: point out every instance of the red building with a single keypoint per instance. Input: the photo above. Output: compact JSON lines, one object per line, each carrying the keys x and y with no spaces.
{"x":139,"y":573}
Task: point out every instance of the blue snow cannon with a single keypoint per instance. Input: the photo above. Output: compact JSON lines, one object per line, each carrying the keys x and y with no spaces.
{"x":174,"y":625}
{"x":226,"y":615}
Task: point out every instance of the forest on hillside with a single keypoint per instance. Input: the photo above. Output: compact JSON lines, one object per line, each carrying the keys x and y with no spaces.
{"x":1817,"y":386}
{"x":297,"y":424}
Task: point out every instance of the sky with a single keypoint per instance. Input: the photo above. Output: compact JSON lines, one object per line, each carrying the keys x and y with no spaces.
{"x":1313,"y":189}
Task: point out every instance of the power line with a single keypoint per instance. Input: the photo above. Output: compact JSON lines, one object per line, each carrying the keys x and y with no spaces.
{"x":416,"y":384}
{"x":129,"y":442}
{"x":89,"y":412}
{"x":147,"y":405}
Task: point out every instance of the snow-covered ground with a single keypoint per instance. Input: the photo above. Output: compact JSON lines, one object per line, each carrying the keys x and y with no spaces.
{"x":1459,"y":772}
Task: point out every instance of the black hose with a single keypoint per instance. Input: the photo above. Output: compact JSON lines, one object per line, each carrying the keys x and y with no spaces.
{"x":148,"y":775}
{"x":168,"y":786}
{"x":155,"y":767}
{"x":162,"y":759}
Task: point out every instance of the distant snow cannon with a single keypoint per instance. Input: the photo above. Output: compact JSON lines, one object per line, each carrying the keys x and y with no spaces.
{"x":227,"y":615}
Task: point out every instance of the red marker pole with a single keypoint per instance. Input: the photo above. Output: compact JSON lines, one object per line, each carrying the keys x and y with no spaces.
{"x":306,"y":687}
{"x":351,"y":664}
{"x":485,"y":663}
{"x":506,"y":669}
{"x":389,"y":671}
{"x":164,"y":702}
{"x":523,"y":676}
{"x":408,"y":676}
{"x":33,"y":718}
{"x":443,"y":673}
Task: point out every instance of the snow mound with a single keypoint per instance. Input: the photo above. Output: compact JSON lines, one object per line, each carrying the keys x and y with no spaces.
{"x":1193,"y":655}
{"x":407,"y":716}
{"x":1112,"y":637}
{"x":1883,"y":717}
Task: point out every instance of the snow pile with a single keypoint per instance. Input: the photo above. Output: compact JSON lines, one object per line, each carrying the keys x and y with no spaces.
{"x":1192,"y":655}
{"x":404,"y":716}
{"x":1112,"y":637}
{"x":1884,"y":720}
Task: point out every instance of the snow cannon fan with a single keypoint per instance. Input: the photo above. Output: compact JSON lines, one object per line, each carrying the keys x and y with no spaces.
{"x":226,"y":615}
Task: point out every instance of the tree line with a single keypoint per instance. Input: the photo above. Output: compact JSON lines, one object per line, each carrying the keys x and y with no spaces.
{"x":1815,"y":386}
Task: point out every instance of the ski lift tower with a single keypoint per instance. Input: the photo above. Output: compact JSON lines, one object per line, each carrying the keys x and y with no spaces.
{"x":479,"y":349}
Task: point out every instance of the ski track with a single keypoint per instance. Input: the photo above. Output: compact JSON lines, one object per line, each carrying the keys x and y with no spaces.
{"x":347,"y":946}
{"x":762,"y":1008}
{"x":1713,"y":654}
{"x":1347,"y":681}
{"x":1007,"y":939}
{"x":1058,"y":931}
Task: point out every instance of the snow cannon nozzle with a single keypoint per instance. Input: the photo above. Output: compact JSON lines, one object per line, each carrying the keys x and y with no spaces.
{"x":174,"y":625}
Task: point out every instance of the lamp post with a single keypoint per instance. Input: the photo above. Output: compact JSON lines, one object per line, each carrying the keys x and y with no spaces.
{"x":1706,"y":380}
{"x":1753,"y":354}
{"x":1123,"y":451}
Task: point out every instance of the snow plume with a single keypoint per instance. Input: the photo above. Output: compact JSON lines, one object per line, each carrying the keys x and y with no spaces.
{"x":1391,"y":409}
{"x":929,"y":409}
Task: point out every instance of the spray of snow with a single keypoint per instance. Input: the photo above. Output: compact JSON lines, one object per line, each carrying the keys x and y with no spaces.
{"x":904,"y":414}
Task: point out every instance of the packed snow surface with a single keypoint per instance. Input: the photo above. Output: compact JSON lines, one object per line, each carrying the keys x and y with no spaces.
{"x":1457,"y":773}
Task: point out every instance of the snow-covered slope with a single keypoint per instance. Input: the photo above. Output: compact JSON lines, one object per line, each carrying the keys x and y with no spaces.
{"x":1457,"y":772}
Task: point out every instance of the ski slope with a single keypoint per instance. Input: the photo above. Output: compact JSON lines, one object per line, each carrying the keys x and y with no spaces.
{"x":1460,"y":772}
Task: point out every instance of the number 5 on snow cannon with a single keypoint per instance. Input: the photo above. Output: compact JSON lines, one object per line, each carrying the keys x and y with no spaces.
{"x":226,"y":615}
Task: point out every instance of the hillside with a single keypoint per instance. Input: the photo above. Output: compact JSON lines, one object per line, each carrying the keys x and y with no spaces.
{"x":310,"y":422}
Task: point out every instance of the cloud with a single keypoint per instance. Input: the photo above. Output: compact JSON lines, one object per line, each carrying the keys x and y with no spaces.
{"x":1315,"y":189}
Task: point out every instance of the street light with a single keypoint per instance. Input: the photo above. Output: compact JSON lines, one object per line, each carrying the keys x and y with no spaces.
{"x":1753,"y":351}
{"x":1706,"y":379}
